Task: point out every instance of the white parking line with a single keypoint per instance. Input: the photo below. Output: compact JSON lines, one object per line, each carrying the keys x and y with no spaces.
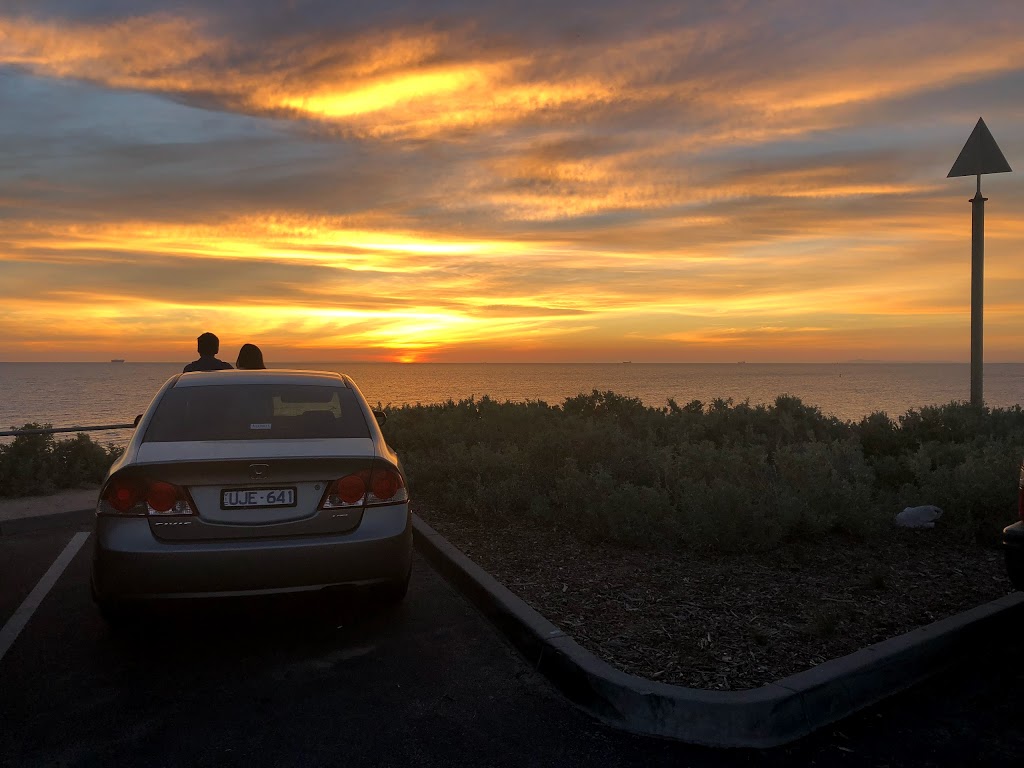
{"x":21,"y":616}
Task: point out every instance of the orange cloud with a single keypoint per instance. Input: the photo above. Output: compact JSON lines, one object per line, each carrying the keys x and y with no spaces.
{"x":154,"y":52}
{"x":418,"y":82}
{"x":421,"y":296}
{"x":661,"y":192}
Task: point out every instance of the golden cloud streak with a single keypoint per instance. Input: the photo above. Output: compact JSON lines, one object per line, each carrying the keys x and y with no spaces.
{"x":387,"y":330}
{"x":391,"y":92}
{"x":887,"y":71}
{"x":399,"y":85}
{"x":131,"y":53}
{"x":380,"y":333}
{"x":429,"y":104}
{"x":396,"y":91}
{"x":319,"y":241}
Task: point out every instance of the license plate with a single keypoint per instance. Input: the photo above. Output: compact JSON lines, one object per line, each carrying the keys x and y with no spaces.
{"x":254,"y":498}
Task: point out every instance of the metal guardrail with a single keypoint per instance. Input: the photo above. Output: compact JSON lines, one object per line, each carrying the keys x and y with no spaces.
{"x":52,"y":430}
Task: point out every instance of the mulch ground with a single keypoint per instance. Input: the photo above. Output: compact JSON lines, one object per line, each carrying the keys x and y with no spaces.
{"x":732,"y":621}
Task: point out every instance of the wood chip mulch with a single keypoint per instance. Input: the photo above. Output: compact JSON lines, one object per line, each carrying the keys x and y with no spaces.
{"x":732,"y":621}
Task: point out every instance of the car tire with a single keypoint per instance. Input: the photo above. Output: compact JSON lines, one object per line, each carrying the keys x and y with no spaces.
{"x":394,"y":592}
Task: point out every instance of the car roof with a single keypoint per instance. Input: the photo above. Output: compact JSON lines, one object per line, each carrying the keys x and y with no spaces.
{"x":271,"y":376}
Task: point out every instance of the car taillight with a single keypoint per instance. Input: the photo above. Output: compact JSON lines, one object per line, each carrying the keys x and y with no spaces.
{"x":387,"y":486}
{"x":144,"y":497}
{"x":382,"y":485}
{"x":348,"y":491}
{"x":121,"y":495}
{"x":161,"y":497}
{"x":351,"y":489}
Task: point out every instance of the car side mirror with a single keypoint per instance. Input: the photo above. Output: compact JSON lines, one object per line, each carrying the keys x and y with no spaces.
{"x":137,"y":420}
{"x":381,"y":417}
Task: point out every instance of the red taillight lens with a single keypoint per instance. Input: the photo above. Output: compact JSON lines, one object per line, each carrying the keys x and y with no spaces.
{"x":122,"y":495}
{"x":132,"y":496}
{"x":350,"y":489}
{"x":161,"y":496}
{"x":345,"y":492}
{"x":382,"y":485}
{"x":386,"y":484}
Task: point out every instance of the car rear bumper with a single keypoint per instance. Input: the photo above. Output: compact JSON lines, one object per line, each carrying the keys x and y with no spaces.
{"x":130,"y":563}
{"x":1013,"y":547}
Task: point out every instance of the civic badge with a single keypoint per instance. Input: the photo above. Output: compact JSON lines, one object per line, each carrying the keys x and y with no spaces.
{"x":258,"y":471}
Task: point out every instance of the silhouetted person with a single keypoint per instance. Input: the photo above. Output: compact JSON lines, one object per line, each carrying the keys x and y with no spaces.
{"x":208,"y":346}
{"x":250,"y":358}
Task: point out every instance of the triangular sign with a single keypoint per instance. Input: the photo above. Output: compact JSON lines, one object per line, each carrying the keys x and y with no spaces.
{"x":980,"y":155}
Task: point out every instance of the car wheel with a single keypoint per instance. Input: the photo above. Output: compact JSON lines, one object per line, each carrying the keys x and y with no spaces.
{"x":394,"y":592}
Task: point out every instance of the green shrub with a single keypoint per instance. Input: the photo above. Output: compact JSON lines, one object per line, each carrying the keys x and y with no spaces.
{"x":37,"y":464}
{"x":726,"y":476}
{"x":974,"y":484}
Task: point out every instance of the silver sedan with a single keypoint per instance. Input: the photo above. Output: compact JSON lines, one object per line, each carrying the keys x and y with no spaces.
{"x":252,"y":482}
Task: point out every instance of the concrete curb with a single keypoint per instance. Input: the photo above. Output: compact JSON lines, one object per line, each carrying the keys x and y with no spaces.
{"x":768,"y":716}
{"x":43,"y":522}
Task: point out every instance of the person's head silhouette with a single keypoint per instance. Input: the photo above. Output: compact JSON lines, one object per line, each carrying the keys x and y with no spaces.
{"x":207,"y":344}
{"x":250,"y":358}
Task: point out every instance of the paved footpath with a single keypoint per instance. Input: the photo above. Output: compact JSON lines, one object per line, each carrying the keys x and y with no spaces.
{"x":338,"y":682}
{"x":31,"y":513}
{"x":42,"y":506}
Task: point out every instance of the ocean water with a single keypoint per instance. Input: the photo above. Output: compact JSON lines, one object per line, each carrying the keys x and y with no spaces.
{"x":78,"y":394}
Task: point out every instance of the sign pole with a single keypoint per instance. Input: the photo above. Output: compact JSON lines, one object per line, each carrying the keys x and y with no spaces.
{"x":980,"y":155}
{"x":977,"y":294}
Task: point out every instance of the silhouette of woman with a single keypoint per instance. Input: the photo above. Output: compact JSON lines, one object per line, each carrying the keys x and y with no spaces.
{"x":250,"y":358}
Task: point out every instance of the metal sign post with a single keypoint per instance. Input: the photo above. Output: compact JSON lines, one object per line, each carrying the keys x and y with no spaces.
{"x":980,"y":155}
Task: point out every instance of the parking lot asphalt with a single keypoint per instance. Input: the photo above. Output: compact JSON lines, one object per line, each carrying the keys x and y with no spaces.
{"x":340,"y":682}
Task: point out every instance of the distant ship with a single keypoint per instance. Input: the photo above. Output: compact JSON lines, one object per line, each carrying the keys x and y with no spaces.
{"x":117,"y":360}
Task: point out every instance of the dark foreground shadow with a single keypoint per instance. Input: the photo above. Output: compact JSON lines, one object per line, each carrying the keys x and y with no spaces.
{"x":208,"y":629}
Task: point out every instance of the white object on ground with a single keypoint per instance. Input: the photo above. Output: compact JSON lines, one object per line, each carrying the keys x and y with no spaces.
{"x":918,"y":517}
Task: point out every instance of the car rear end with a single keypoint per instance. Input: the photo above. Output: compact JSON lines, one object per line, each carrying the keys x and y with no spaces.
{"x":252,"y":483}
{"x":1013,"y":541}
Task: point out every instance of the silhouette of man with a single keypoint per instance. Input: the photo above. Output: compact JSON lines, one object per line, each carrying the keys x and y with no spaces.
{"x":208,"y":346}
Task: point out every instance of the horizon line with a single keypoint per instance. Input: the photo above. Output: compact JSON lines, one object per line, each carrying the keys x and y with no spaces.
{"x":285,"y":363}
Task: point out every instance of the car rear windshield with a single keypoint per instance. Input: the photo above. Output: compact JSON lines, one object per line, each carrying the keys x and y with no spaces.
{"x":256,"y":412}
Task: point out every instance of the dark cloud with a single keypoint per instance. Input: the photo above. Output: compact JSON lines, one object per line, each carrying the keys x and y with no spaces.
{"x":163,"y":278}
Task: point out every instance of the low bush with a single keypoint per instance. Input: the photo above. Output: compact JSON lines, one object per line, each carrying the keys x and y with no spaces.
{"x":36,"y":464}
{"x":725,"y":476}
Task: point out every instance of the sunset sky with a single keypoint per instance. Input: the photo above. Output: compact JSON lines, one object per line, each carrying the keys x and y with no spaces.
{"x":517,"y":181}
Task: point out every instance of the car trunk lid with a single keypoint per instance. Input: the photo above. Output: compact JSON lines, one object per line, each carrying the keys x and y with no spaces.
{"x":238,"y":491}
